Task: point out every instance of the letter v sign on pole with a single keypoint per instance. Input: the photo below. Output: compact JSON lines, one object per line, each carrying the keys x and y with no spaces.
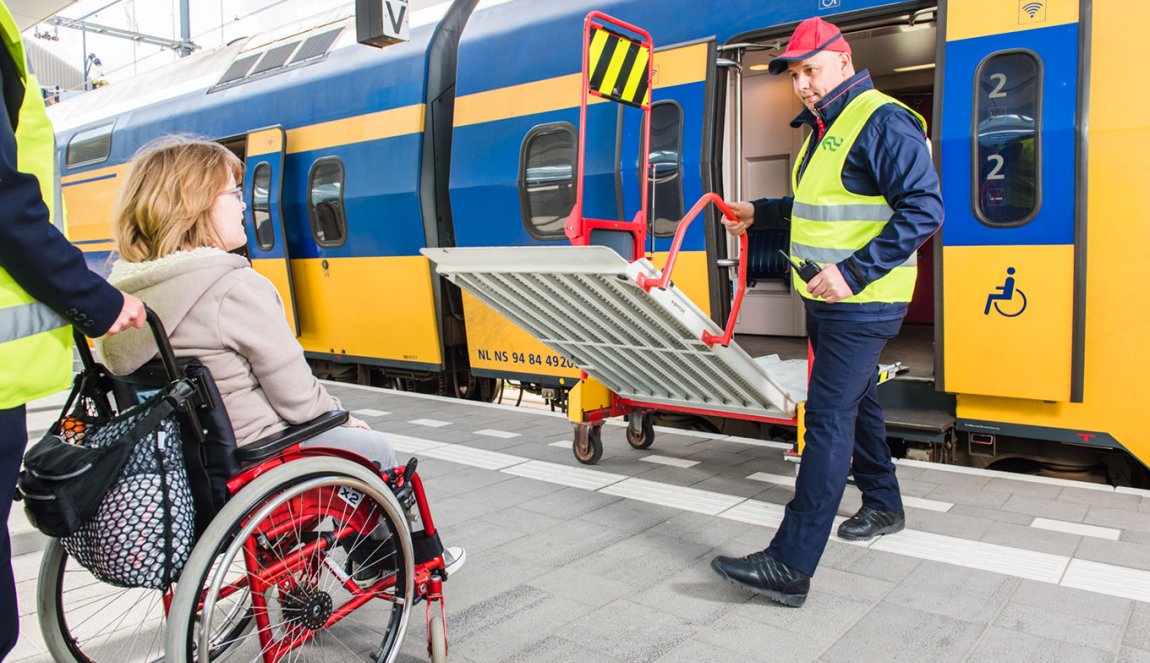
{"x":382,"y":22}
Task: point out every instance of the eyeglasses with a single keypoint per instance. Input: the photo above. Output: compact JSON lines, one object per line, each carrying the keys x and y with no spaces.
{"x":238,"y":192}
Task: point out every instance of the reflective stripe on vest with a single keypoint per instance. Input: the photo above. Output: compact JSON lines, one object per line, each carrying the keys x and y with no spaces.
{"x":35,"y":344}
{"x":830,"y":223}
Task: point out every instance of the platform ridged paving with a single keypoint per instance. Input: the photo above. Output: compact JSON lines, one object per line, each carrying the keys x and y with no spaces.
{"x":585,"y":304}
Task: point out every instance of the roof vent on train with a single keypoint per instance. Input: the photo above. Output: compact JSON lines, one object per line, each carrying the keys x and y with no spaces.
{"x":278,"y":56}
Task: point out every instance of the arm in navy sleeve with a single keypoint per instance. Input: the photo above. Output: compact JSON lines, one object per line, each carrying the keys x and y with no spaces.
{"x":38,"y":256}
{"x":899,"y":161}
{"x":773,"y":212}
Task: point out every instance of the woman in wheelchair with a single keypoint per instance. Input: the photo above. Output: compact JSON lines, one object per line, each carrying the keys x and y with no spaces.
{"x":297,"y":547}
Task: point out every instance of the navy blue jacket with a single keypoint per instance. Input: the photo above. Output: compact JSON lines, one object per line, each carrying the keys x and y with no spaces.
{"x":32,"y":250}
{"x":889,"y":158}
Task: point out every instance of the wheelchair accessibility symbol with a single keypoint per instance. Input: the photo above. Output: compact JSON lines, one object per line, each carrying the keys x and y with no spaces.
{"x":1014,"y":298}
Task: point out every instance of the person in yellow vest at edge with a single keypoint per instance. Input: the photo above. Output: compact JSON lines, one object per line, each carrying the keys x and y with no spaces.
{"x":45,"y":287}
{"x":866,"y":196}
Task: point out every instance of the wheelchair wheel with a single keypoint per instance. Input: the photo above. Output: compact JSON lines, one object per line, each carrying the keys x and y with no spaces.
{"x":85,"y":620}
{"x":279,"y":555}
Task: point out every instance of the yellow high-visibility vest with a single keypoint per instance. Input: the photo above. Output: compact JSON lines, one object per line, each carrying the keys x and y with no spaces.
{"x":828,"y":222}
{"x":35,"y":342}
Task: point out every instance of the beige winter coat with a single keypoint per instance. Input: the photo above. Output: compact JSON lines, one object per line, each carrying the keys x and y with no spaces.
{"x":217,"y":308}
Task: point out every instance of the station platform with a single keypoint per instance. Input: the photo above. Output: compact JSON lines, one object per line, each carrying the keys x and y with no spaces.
{"x":611,"y":562}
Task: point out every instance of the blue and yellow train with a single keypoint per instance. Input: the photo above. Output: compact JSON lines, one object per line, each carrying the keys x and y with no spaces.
{"x":1026,"y":332}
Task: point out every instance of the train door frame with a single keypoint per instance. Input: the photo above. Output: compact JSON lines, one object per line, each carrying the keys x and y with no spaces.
{"x":267,"y":147}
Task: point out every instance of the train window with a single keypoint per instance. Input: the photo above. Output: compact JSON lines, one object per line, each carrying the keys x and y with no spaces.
{"x":261,"y":208}
{"x":90,"y":146}
{"x":664,"y":183}
{"x":1007,"y":149}
{"x":325,"y":202}
{"x":547,"y":179}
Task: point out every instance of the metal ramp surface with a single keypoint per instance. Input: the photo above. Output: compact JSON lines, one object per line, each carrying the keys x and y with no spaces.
{"x":584,"y":303}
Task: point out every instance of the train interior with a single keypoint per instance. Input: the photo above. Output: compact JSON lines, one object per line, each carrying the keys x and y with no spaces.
{"x":900,"y":54}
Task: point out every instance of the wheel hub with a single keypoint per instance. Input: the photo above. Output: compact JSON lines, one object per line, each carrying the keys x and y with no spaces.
{"x":309,"y":609}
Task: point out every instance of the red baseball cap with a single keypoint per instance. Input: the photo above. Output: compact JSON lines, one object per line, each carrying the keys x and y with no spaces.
{"x":812,"y":35}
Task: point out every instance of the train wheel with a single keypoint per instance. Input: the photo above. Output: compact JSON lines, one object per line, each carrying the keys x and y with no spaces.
{"x":643,"y":436}
{"x":588,"y":447}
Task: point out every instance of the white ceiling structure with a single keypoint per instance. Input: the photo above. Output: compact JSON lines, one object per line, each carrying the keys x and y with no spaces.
{"x":31,"y":12}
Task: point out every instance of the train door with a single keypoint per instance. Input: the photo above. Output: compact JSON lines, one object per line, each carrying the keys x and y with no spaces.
{"x":267,"y":242}
{"x":1008,"y":160}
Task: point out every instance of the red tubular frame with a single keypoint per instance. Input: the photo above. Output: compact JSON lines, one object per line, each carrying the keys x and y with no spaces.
{"x":578,"y":228}
{"x":647,"y":283}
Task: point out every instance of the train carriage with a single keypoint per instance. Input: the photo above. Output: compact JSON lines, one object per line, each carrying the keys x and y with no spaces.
{"x":1018,"y":350}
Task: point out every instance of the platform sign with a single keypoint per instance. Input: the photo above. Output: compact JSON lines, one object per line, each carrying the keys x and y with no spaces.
{"x":382,"y":22}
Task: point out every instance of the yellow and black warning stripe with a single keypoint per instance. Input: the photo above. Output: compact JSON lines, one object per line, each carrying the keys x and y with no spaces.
{"x":618,"y":68}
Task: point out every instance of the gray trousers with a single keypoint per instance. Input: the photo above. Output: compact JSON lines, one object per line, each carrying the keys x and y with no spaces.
{"x":371,"y":444}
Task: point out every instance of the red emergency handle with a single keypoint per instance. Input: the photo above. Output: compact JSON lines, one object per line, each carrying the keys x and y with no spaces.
{"x":647,"y":283}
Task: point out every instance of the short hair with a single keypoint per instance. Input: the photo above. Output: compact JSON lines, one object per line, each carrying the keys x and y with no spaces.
{"x":165,"y":204}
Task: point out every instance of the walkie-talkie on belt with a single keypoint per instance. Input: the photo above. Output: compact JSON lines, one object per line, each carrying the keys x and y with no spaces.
{"x":807,"y":270}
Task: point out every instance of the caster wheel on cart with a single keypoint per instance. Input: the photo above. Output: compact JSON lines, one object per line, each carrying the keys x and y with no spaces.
{"x":644,"y":436}
{"x":437,"y":638}
{"x":588,"y":447}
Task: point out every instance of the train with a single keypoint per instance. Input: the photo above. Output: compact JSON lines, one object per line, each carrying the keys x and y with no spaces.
{"x":1023,"y":346}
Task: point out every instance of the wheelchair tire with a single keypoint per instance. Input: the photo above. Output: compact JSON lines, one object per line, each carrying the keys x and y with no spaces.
{"x":436,"y":637}
{"x":84,"y":620}
{"x":330,"y":501}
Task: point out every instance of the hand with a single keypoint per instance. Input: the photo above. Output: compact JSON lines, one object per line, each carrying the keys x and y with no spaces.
{"x":745,"y":212}
{"x":353,"y":422}
{"x":830,"y":285}
{"x":131,"y":315}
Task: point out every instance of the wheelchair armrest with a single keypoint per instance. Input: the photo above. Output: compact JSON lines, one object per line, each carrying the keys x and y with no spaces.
{"x":266,"y":447}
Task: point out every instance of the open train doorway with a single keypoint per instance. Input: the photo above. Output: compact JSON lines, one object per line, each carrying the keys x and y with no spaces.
{"x":761,"y":150}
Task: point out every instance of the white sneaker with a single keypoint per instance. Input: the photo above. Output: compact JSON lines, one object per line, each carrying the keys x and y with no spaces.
{"x":453,"y":559}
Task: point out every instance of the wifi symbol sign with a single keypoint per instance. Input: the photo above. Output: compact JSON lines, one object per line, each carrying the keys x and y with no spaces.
{"x":1031,"y":11}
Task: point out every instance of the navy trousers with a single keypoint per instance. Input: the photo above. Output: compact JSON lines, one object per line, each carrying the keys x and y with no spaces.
{"x":13,"y":439}
{"x":845,"y":427}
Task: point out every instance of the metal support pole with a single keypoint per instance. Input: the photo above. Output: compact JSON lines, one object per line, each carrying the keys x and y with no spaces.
{"x":185,"y":29}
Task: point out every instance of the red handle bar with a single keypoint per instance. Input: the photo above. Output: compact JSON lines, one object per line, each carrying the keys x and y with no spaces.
{"x":647,"y":283}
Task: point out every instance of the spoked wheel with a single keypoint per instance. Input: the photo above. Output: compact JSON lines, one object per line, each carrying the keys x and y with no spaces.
{"x":588,"y":447}
{"x":317,"y":553}
{"x":640,"y":431}
{"x":85,"y":620}
{"x":436,"y":636}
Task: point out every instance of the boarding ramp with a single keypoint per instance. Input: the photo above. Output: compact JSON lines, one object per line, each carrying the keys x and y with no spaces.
{"x":646,"y":346}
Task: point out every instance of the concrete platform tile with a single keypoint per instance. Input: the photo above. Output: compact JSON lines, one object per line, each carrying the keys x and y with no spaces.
{"x":877,"y":564}
{"x":644,"y":560}
{"x":701,"y":529}
{"x":518,"y":629}
{"x":487,"y":574}
{"x":1122,"y":553}
{"x":631,"y":516}
{"x":965,"y":495}
{"x":563,"y":544}
{"x":1110,"y":499}
{"x":1053,"y":625}
{"x":630,"y":632}
{"x":469,"y":479}
{"x":680,"y":476}
{"x":1000,"y":644}
{"x":913,"y":488}
{"x":1033,"y":538}
{"x":520,"y":519}
{"x":1142,"y":538}
{"x":958,"y":593}
{"x":1046,"y":508}
{"x":1129,"y":655}
{"x":1138,"y":628}
{"x":1123,"y":519}
{"x":823,"y":619}
{"x":569,"y":503}
{"x":449,"y":511}
{"x":957,"y":480}
{"x":898,"y":633}
{"x":733,"y":484}
{"x":574,"y":583}
{"x":479,"y":534}
{"x":761,"y":642}
{"x":850,"y":585}
{"x":1144,"y":505}
{"x":694,"y":651}
{"x":553,"y":649}
{"x":951,"y":524}
{"x":992,"y":514}
{"x":1028,"y":488}
{"x":1074,"y":602}
{"x":695,"y":594}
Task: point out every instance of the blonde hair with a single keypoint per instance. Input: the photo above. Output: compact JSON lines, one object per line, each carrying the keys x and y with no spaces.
{"x":165,"y":204}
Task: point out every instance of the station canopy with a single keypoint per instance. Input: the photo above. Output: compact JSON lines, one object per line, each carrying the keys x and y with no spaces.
{"x":31,"y":12}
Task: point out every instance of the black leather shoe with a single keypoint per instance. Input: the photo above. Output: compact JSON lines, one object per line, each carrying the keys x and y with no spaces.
{"x":761,"y":573}
{"x":869,"y":523}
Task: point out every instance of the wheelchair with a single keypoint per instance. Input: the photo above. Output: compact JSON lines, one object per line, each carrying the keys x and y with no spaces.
{"x":270,"y":576}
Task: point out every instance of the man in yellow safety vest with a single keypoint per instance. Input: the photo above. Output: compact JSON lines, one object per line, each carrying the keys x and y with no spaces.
{"x":866,"y":197}
{"x":45,"y":286}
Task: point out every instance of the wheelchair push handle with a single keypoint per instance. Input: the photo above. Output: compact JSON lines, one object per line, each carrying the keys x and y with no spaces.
{"x":164,"y":346}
